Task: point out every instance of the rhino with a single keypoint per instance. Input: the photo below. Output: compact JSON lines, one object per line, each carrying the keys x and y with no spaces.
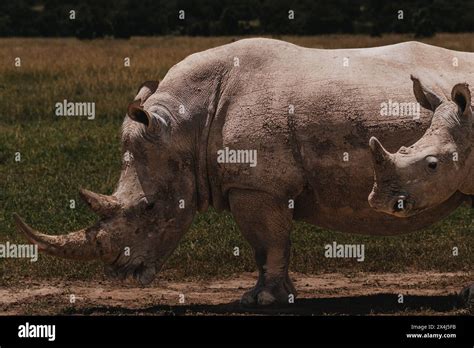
{"x":313,"y":118}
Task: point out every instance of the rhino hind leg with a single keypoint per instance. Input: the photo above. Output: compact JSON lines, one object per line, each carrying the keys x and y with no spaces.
{"x":266,"y":224}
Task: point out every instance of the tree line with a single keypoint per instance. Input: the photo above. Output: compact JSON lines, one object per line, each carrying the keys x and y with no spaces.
{"x":88,"y":19}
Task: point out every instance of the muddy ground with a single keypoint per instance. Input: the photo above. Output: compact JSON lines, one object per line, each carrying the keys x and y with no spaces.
{"x":426,"y":293}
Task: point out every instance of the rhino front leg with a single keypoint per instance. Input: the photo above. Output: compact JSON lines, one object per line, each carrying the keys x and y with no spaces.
{"x":266,"y":224}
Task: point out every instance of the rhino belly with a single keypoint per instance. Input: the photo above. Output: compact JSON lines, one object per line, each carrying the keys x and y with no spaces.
{"x":355,"y":216}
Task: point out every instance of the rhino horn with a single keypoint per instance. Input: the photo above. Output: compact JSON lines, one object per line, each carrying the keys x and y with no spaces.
{"x":101,"y":204}
{"x":379,"y":154}
{"x":84,"y":244}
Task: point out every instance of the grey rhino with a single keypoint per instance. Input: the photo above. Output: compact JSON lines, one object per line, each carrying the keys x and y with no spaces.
{"x":309,"y":114}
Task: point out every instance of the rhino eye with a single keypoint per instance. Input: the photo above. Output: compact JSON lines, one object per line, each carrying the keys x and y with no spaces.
{"x":432,"y":162}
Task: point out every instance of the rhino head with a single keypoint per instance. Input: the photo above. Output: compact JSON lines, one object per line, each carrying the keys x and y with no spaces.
{"x":427,"y":173}
{"x":153,"y":205}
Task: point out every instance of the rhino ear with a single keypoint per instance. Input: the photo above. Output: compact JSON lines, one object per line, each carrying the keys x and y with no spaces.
{"x":146,"y":89}
{"x":135,"y":109}
{"x":156,"y":122}
{"x":380,"y":156}
{"x":137,"y":113}
{"x":427,"y":98}
{"x":462,"y":97}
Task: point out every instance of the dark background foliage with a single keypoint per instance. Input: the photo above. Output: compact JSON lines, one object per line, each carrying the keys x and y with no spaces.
{"x":125,"y":18}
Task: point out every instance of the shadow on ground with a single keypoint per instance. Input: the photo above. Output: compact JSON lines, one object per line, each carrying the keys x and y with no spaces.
{"x":356,"y":305}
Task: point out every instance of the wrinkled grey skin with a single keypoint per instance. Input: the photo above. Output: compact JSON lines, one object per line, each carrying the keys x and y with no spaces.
{"x":241,"y":96}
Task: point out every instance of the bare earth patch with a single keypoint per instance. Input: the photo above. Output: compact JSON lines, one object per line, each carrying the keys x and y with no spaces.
{"x":427,"y":293}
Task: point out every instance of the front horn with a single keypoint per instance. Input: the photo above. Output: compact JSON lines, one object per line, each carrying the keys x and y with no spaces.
{"x":84,"y":244}
{"x":102,"y":205}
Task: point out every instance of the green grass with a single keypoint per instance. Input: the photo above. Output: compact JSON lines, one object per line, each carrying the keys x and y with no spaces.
{"x":59,"y":155}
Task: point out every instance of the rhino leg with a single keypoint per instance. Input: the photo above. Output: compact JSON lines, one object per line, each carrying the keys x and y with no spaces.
{"x":266,"y":224}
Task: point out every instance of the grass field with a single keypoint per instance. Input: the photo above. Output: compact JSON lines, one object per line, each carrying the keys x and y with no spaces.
{"x":61,"y":154}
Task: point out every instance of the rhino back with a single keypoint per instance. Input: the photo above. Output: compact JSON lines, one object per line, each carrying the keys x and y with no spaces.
{"x":305,"y":110}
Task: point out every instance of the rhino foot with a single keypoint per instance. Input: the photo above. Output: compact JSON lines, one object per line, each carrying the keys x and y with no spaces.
{"x":262,"y":297}
{"x":467,"y":297}
{"x":249,"y":298}
{"x":282,"y":292}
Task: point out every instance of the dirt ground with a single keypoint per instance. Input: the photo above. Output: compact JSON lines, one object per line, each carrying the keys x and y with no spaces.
{"x":425,"y":293}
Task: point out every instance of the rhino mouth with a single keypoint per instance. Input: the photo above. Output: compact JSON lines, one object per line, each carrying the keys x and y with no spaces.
{"x":400,"y":205}
{"x":410,"y":209}
{"x":136,"y":268}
